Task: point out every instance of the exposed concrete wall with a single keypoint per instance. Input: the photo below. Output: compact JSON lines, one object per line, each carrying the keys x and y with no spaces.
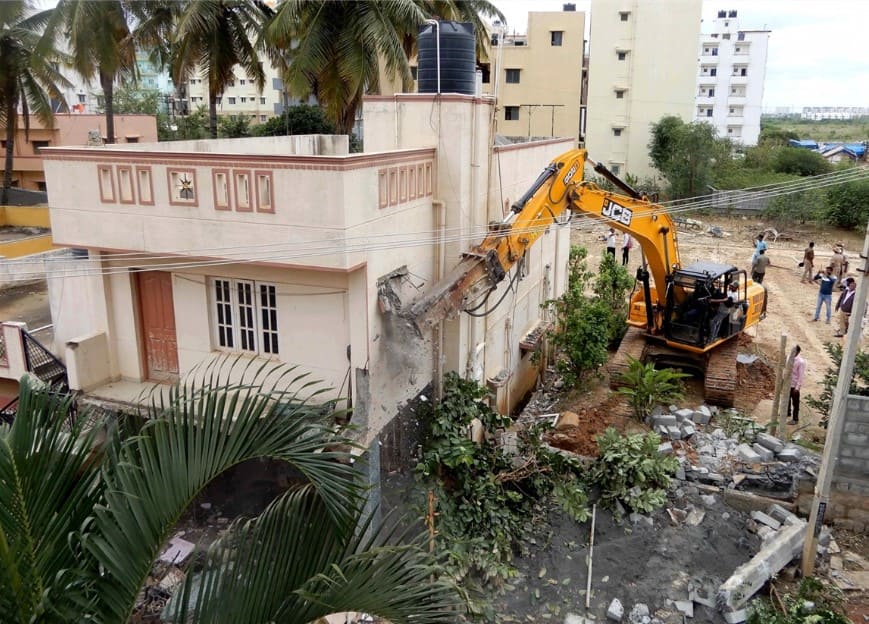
{"x":31,"y":268}
{"x":849,"y":497}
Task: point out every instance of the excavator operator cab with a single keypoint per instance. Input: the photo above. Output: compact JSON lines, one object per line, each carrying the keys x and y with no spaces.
{"x":705,"y":303}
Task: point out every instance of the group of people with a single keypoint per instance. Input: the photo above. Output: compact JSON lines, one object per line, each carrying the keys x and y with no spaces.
{"x":627,"y":244}
{"x":827,"y":280}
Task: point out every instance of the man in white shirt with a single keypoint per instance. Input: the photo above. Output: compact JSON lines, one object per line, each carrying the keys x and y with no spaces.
{"x":611,"y":243}
{"x":797,"y":375}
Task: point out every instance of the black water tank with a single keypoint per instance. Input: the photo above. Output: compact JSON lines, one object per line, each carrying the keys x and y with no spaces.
{"x":458,"y":58}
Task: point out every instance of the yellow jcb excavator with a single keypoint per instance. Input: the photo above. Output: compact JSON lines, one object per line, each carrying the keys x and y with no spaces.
{"x":680,"y":316}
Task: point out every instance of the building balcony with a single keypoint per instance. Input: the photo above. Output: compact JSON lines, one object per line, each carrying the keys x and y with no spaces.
{"x":705,"y":99}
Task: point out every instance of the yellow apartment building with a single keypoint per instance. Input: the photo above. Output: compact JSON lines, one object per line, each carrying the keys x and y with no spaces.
{"x":538,"y":77}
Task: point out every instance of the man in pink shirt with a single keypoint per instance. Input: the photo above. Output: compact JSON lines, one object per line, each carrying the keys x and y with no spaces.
{"x":799,"y":372}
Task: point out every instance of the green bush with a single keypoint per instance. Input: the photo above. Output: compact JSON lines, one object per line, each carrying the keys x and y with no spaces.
{"x":802,"y":207}
{"x":587,"y":325}
{"x":611,"y":286}
{"x":485,"y":502}
{"x":646,"y":387}
{"x":849,"y":204}
{"x":631,"y":473}
{"x":801,"y":162}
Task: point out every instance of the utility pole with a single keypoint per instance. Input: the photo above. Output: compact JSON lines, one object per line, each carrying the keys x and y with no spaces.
{"x":837,"y":415}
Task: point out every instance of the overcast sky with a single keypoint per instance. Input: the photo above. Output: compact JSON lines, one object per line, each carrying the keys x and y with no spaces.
{"x":815,"y":56}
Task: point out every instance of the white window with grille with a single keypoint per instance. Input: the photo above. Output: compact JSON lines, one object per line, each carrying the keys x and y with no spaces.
{"x":245,"y":316}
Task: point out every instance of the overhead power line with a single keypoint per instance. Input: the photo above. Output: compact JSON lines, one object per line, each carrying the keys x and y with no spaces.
{"x":283,"y":251}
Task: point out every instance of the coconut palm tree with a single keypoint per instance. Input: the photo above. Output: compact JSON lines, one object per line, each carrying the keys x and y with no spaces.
{"x":29,"y":79}
{"x":214,"y":36}
{"x":84,"y":513}
{"x":102,"y":45}
{"x":334,"y":50}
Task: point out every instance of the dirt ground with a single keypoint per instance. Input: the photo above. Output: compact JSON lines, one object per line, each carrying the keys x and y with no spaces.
{"x":654,"y":563}
{"x":791,"y":304}
{"x":635,"y":562}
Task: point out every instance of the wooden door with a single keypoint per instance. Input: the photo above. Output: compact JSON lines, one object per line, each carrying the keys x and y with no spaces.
{"x":158,"y":325}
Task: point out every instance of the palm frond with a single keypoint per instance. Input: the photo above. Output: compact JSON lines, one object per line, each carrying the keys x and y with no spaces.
{"x":50,"y":483}
{"x":294,"y":564}
{"x":227,"y":413}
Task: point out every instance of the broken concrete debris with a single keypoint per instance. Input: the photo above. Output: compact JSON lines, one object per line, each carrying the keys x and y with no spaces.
{"x":615,"y":611}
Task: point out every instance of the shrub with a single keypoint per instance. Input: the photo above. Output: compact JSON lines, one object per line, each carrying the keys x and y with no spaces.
{"x":646,"y":387}
{"x":582,"y":331}
{"x":631,"y":473}
{"x":611,"y":287}
{"x":814,"y":603}
{"x":849,"y":204}
{"x":801,"y":162}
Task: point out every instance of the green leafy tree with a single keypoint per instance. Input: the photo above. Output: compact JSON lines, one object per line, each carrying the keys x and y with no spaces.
{"x":801,"y":162}
{"x":611,"y":287}
{"x":849,"y":204}
{"x":215,"y":36}
{"x":630,"y":472}
{"x":84,"y":513}
{"x":300,"y":119}
{"x":771,"y":134}
{"x":686,"y":155}
{"x":484,"y":500}
{"x":805,"y":206}
{"x":234,"y":128}
{"x":583,"y":324}
{"x":29,"y":79}
{"x":335,"y":50}
{"x":191,"y":127}
{"x":645,"y":386}
{"x":131,"y":100}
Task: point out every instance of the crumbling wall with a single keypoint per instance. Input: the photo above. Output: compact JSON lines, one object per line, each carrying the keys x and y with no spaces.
{"x":849,"y":495}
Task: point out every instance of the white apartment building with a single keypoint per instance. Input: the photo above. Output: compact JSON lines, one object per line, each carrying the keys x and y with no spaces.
{"x":834,"y":112}
{"x":732,"y":69}
{"x":642,"y":67}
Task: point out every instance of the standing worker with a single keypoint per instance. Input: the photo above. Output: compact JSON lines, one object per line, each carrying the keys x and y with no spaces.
{"x":844,"y":306}
{"x":825,"y":294}
{"x":611,"y":243}
{"x":808,"y":262}
{"x":839,"y":263}
{"x":758,"y":267}
{"x":627,"y":245}
{"x":797,"y":375}
{"x":759,"y":246}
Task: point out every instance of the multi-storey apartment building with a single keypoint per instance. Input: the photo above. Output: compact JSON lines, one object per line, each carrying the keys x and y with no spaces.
{"x":642,"y":66}
{"x":834,"y":112}
{"x":539,"y":76}
{"x":730,"y":78}
{"x":241,"y":97}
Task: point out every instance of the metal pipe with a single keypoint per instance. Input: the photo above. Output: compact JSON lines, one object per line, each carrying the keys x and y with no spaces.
{"x":437,"y":26}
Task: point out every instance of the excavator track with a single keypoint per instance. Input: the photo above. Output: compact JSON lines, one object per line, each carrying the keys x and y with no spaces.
{"x":720,"y":377}
{"x":633,"y":345}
